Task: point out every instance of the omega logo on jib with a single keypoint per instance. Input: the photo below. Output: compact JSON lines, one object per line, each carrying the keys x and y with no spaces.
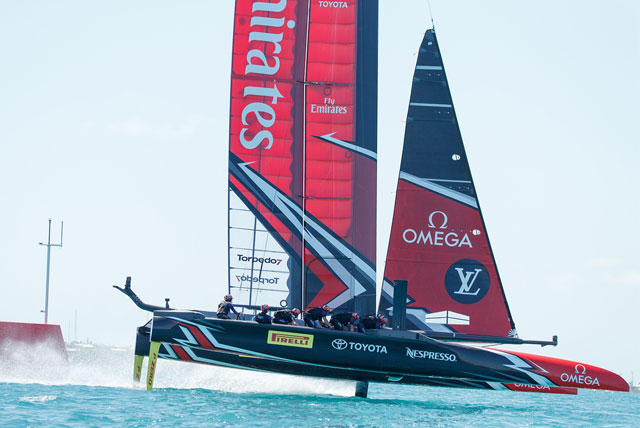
{"x":467,"y":281}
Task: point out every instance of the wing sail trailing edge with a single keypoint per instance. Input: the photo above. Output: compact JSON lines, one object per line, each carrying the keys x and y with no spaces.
{"x":337,"y":179}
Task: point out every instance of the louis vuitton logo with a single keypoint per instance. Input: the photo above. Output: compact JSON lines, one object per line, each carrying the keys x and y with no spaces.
{"x":466,"y":281}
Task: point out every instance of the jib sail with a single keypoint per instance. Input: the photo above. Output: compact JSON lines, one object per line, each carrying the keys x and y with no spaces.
{"x":439,"y":243}
{"x":301,"y":214}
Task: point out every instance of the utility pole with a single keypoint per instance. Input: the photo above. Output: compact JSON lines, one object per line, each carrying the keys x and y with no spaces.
{"x":49,"y":245}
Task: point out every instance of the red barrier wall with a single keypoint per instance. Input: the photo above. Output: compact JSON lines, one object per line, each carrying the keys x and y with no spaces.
{"x":31,"y":334}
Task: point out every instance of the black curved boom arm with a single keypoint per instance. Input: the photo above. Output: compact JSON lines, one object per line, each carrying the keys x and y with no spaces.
{"x":134,"y":297}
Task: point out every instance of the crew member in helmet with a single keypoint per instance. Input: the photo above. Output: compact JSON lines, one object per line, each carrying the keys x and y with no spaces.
{"x":347,"y":320}
{"x":373,"y":322}
{"x":263,"y":317}
{"x":225,"y":306}
{"x":286,"y":316}
{"x":313,"y":315}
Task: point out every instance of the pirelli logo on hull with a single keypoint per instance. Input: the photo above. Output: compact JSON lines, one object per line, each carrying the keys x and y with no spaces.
{"x":290,"y":339}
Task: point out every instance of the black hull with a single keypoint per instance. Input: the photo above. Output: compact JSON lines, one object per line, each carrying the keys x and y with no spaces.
{"x":247,"y":362}
{"x":378,"y":356}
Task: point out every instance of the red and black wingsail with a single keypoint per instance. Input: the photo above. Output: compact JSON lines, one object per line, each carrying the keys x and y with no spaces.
{"x":439,"y":243}
{"x":301,"y":210}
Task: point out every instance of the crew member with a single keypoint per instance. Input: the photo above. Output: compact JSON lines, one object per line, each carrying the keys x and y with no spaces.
{"x":347,"y":320}
{"x":263,"y":317}
{"x":286,"y":316}
{"x":225,"y":306}
{"x":313,"y":315}
{"x":373,"y":322}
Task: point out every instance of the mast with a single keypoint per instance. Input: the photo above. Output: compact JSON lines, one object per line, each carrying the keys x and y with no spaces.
{"x":49,"y":245}
{"x":303,"y":199}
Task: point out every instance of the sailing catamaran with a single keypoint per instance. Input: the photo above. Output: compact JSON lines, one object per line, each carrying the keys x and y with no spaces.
{"x":302,"y":184}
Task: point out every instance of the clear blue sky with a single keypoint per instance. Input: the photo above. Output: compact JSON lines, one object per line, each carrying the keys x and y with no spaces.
{"x":114,"y":118}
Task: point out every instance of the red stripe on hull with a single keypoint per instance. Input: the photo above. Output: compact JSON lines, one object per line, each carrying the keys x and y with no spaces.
{"x":566,"y":373}
{"x":197,"y":334}
{"x":542,"y":389}
{"x":181,"y":353}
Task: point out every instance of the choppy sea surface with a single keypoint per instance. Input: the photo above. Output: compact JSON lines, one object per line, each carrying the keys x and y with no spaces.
{"x":95,"y":390}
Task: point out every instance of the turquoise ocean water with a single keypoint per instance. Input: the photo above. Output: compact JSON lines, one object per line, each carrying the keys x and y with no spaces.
{"x":95,"y":390}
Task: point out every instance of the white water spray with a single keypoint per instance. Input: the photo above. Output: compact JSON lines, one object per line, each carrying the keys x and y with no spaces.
{"x":100,"y":365}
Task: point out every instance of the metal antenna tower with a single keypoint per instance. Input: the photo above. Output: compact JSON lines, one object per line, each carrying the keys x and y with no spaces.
{"x":49,"y":245}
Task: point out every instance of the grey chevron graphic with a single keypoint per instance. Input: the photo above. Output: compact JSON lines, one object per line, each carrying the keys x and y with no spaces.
{"x":337,"y":255}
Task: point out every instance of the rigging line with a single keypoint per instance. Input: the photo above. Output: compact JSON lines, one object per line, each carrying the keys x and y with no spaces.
{"x":433,"y":26}
{"x":255,"y":218}
{"x":303,"y":202}
{"x":253,"y":256}
{"x":256,"y":230}
{"x":249,"y":249}
{"x":264,"y":250}
{"x":242,"y":269}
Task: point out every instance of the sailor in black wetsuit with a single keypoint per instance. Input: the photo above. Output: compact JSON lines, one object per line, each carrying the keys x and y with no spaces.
{"x":225,"y":306}
{"x":313,"y":315}
{"x":373,"y":322}
{"x":263,"y":317}
{"x":286,"y":316}
{"x":342,"y":320}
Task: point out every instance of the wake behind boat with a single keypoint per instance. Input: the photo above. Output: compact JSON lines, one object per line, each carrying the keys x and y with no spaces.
{"x":302,"y":186}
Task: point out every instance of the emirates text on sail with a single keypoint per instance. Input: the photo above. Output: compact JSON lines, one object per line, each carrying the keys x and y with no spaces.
{"x":263,"y":60}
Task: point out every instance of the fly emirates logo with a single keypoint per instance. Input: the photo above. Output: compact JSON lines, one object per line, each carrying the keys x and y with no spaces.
{"x":263,"y":59}
{"x":437,"y":234}
{"x":329,"y":107}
